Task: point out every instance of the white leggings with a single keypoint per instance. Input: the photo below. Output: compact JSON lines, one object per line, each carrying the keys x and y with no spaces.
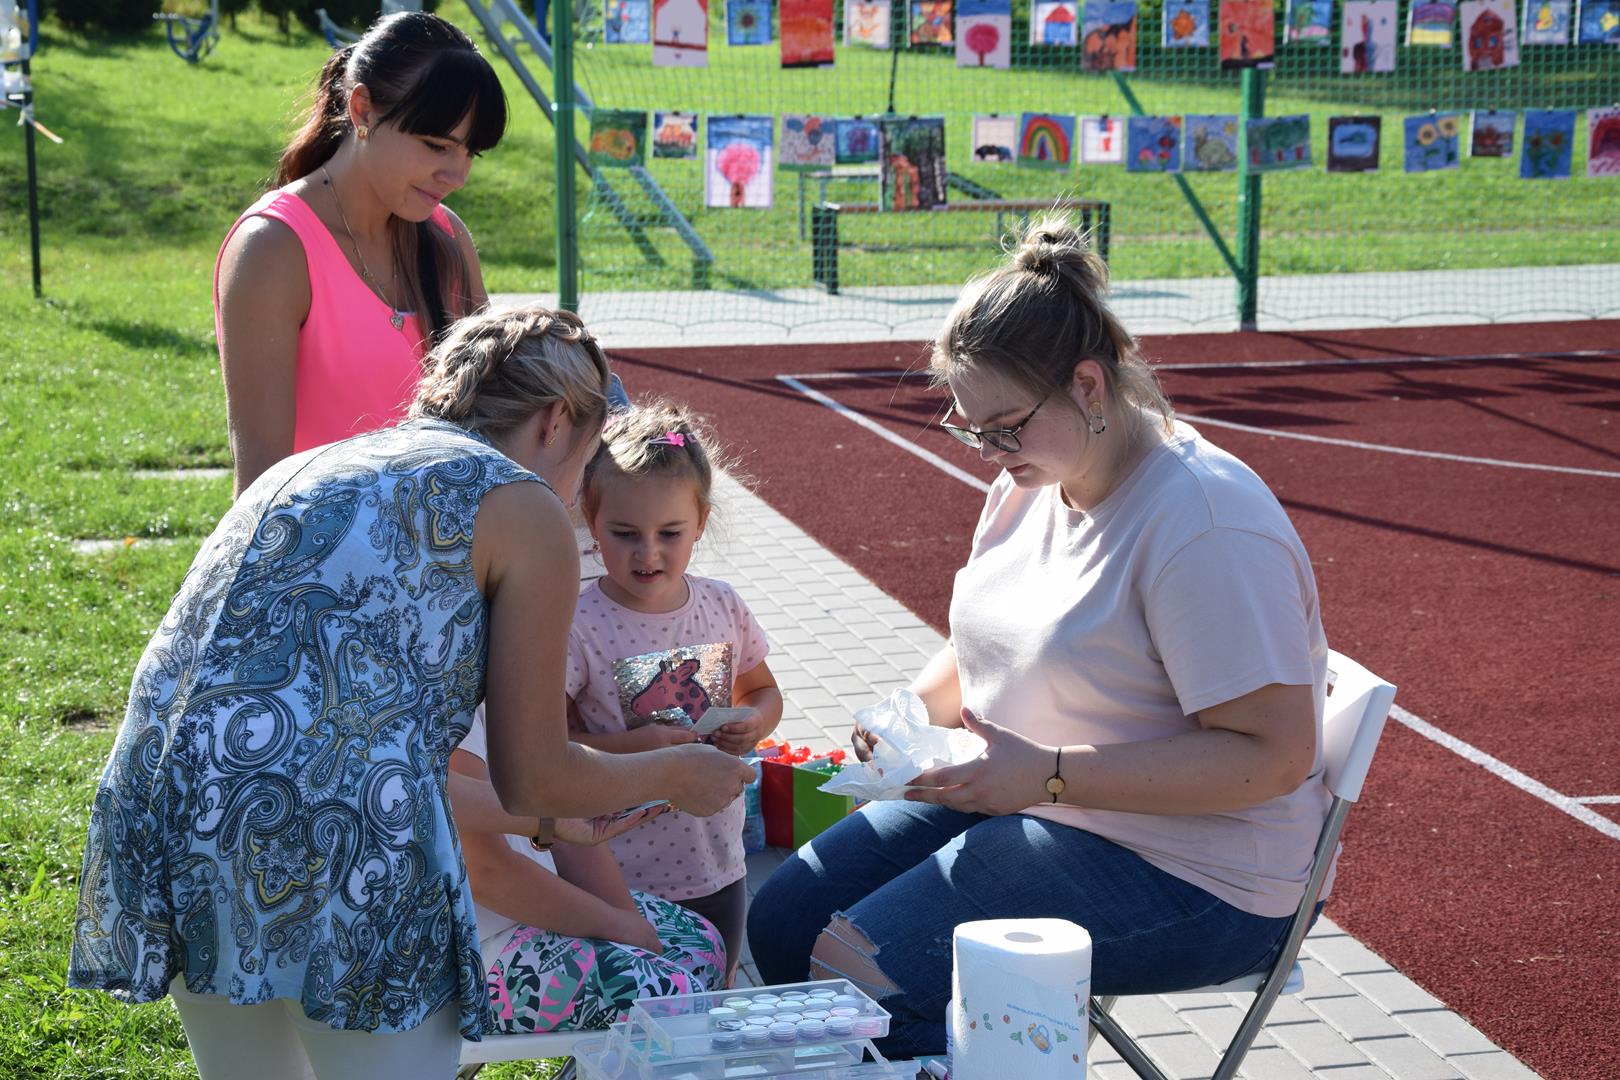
{"x":276,"y":1041}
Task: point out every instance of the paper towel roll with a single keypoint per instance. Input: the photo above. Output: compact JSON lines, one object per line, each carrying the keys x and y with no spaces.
{"x":1019,"y":989}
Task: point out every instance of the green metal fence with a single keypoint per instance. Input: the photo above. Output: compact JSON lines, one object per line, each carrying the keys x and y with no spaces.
{"x":1243,"y":234}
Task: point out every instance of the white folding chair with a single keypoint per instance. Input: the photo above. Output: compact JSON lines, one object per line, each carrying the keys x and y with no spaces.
{"x":556,"y":1044}
{"x":1358,"y":702}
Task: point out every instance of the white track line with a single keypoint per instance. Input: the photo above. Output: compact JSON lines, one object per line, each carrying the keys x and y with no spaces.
{"x":1598,"y":800}
{"x":798,"y":381}
{"x":1564,"y":803}
{"x":1436,"y":454}
{"x":1570,"y":806}
{"x":1313,"y":362}
{"x":884,"y":433}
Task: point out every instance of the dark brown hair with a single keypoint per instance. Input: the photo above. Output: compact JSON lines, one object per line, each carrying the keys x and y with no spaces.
{"x":425,"y":76}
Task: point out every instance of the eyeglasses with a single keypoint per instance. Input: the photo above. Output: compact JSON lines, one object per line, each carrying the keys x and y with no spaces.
{"x":1004,"y":439}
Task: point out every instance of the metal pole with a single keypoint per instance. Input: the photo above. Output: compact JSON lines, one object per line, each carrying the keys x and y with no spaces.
{"x":562,"y":72}
{"x":1248,"y":260}
{"x":33,"y":183}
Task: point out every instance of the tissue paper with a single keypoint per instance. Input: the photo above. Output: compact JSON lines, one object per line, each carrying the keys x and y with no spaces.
{"x":907,"y":745}
{"x":1019,"y":989}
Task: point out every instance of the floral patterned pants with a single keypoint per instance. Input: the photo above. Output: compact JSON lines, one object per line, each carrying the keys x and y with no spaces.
{"x":543,"y":981}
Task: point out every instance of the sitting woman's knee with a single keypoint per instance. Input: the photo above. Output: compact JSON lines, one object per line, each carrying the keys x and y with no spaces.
{"x":842,"y":951}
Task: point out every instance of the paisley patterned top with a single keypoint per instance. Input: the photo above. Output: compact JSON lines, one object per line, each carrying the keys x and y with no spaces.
{"x":273,"y":821}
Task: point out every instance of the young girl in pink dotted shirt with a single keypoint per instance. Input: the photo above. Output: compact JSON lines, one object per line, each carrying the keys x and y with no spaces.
{"x":653,"y":648}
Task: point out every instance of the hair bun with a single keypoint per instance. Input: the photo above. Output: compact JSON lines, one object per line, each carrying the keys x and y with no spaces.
{"x":1053,"y":246}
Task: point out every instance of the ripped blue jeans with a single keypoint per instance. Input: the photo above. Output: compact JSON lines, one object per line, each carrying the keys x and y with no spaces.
{"x":898,"y":877}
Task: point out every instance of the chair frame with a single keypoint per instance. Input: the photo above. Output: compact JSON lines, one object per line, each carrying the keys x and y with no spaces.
{"x":555,"y":1044}
{"x":1348,"y":745}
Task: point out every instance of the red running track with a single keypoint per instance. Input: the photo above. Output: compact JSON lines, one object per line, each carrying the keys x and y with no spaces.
{"x":1489,"y":594}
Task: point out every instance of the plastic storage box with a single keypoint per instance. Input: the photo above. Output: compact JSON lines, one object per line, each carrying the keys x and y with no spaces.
{"x":813,"y":1031}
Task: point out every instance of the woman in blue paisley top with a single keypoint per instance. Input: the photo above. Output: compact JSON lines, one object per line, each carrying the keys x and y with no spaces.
{"x":271,"y":840}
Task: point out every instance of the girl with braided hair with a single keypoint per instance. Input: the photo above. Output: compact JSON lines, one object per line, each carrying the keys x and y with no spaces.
{"x":1136,"y":637}
{"x":271,"y":842}
{"x":331,"y":287}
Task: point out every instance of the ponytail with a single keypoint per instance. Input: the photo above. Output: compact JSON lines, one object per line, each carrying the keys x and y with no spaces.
{"x":325,"y":126}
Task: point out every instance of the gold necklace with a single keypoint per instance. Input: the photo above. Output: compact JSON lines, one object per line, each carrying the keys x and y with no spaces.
{"x":397,"y":318}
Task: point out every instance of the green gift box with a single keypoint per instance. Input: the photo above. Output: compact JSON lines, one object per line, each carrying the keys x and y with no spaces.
{"x":816,"y":811}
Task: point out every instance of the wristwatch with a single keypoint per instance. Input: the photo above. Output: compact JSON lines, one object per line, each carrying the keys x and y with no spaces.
{"x":545,"y":834}
{"x":1054,"y":783}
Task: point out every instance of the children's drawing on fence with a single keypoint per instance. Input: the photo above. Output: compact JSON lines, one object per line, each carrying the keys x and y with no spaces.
{"x":1102,"y":140}
{"x":1432,"y":142}
{"x":675,"y":135}
{"x":807,"y":142}
{"x":680,"y":33}
{"x":857,"y":141}
{"x":1278,"y":143}
{"x":748,"y":22}
{"x":1108,"y":35}
{"x":1547,"y":22}
{"x":1186,"y":24}
{"x":995,"y":139}
{"x":1491,"y":134}
{"x":1055,"y":23}
{"x":618,"y":139}
{"x":627,"y":22}
{"x":931,"y":22}
{"x":1599,"y":22}
{"x":1209,"y":143}
{"x":1046,"y":141}
{"x":1603,"y":142}
{"x":807,"y":33}
{"x":1248,"y":33}
{"x":1153,"y":144}
{"x":1432,"y":23}
{"x":867,"y":24}
{"x":1367,"y":37}
{"x":1309,"y":22}
{"x":1549,"y":144}
{"x":1353,"y":142}
{"x":1490,"y":35}
{"x":739,"y":170}
{"x":912,"y":163}
{"x":984,"y":33}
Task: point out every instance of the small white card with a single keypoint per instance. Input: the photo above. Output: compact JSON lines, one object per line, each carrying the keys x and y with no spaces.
{"x":716,"y":717}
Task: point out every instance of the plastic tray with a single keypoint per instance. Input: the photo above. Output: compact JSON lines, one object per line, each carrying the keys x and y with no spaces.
{"x":672,"y":1038}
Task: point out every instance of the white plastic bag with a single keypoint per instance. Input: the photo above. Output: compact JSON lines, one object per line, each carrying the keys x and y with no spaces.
{"x":906,"y":746}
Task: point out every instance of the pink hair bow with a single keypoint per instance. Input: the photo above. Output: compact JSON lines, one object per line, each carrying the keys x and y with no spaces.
{"x":669,"y":438}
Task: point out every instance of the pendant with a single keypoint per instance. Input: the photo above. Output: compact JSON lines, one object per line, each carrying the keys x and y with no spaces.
{"x":398,"y":320}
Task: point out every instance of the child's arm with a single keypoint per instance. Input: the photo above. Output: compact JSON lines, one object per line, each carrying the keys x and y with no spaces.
{"x":754,"y":689}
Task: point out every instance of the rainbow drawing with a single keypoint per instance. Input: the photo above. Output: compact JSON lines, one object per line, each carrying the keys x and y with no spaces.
{"x":1045,"y":141}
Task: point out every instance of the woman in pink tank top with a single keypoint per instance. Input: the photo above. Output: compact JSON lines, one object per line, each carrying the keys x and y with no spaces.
{"x":330,"y":288}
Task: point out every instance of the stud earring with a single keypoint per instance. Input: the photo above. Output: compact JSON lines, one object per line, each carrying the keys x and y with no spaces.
{"x":1097,"y":422}
{"x":362,"y":132}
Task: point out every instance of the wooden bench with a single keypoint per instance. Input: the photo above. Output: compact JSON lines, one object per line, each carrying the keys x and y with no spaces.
{"x":824,"y":241}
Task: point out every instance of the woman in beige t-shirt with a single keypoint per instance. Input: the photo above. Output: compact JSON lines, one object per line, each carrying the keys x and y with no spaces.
{"x":1136,"y":636}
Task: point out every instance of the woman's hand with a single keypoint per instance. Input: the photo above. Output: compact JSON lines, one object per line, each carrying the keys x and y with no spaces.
{"x":739,"y":736}
{"x":588,"y":831}
{"x":637,"y":931}
{"x":1008,"y":777}
{"x":656,"y":736}
{"x":863,"y":741}
{"x":707,"y":780}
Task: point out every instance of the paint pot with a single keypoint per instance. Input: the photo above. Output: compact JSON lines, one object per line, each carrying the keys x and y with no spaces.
{"x":795,"y":995}
{"x":849,"y":1001}
{"x":846,"y":1011}
{"x":739,"y":1003}
{"x":755,"y":1035}
{"x":840,"y":1027}
{"x":784,"y":1033}
{"x":869,"y":1027}
{"x":817,"y":1014}
{"x":811,"y":1030}
{"x":725,"y":1040}
{"x":723,"y":1018}
{"x":760,"y":1014}
{"x":786,"y":1017}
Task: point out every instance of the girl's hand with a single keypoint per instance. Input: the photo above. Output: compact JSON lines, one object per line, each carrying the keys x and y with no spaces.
{"x":657,"y":736}
{"x":1008,"y":777}
{"x":739,"y":736}
{"x":588,"y":831}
